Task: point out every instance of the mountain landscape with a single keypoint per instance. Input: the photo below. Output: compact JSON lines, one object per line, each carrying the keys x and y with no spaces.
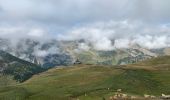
{"x":55,"y":53}
{"x":84,"y":50}
{"x":25,"y":73}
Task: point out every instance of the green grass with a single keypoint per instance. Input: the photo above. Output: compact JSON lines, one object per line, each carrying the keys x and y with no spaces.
{"x":157,"y":61}
{"x":94,"y":81}
{"x":91,"y":82}
{"x":6,"y":80}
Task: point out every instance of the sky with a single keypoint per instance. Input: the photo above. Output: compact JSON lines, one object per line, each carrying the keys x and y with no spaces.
{"x":99,"y":22}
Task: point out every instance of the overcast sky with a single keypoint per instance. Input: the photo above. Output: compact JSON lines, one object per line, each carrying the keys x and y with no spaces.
{"x":102,"y":20}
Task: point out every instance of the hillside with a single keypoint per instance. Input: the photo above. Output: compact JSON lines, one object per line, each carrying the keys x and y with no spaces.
{"x":159,"y":63}
{"x":162,"y":60}
{"x":93,"y":82}
{"x":18,"y":69}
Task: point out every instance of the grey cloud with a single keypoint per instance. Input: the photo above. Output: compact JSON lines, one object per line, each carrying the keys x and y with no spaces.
{"x":66,"y":11}
{"x":121,"y":34}
{"x":98,"y":21}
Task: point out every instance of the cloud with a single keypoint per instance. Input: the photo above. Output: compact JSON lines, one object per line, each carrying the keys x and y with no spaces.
{"x":121,"y":34}
{"x":122,"y":43}
{"x":83,"y":46}
{"x":41,"y":53}
{"x":103,"y":24}
{"x":103,"y":44}
{"x":149,"y":41}
{"x":17,"y":32}
{"x":36,"y":33}
{"x":69,"y":12}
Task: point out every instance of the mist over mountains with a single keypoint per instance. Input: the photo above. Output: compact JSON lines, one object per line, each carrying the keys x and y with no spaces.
{"x":121,"y":34}
{"x":53,"y":33}
{"x":53,"y":52}
{"x":101,"y":35}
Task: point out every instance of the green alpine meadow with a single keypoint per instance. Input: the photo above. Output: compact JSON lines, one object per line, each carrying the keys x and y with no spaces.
{"x":93,"y":82}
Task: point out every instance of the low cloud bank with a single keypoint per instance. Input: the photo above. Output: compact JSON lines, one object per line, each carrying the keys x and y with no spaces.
{"x":100,"y":36}
{"x":120,"y":34}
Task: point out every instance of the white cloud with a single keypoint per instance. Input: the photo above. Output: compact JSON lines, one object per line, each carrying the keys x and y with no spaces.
{"x":151,"y":42}
{"x":16,"y":32}
{"x":122,"y":43}
{"x":36,"y":33}
{"x":103,"y":44}
{"x":121,"y":34}
{"x":83,"y":46}
{"x":41,"y":53}
{"x":99,"y":22}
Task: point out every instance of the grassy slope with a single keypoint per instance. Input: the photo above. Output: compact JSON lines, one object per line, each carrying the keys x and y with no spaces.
{"x":167,"y":51}
{"x":157,"y":61}
{"x":101,"y":57}
{"x":75,"y":82}
{"x":6,"y":80}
